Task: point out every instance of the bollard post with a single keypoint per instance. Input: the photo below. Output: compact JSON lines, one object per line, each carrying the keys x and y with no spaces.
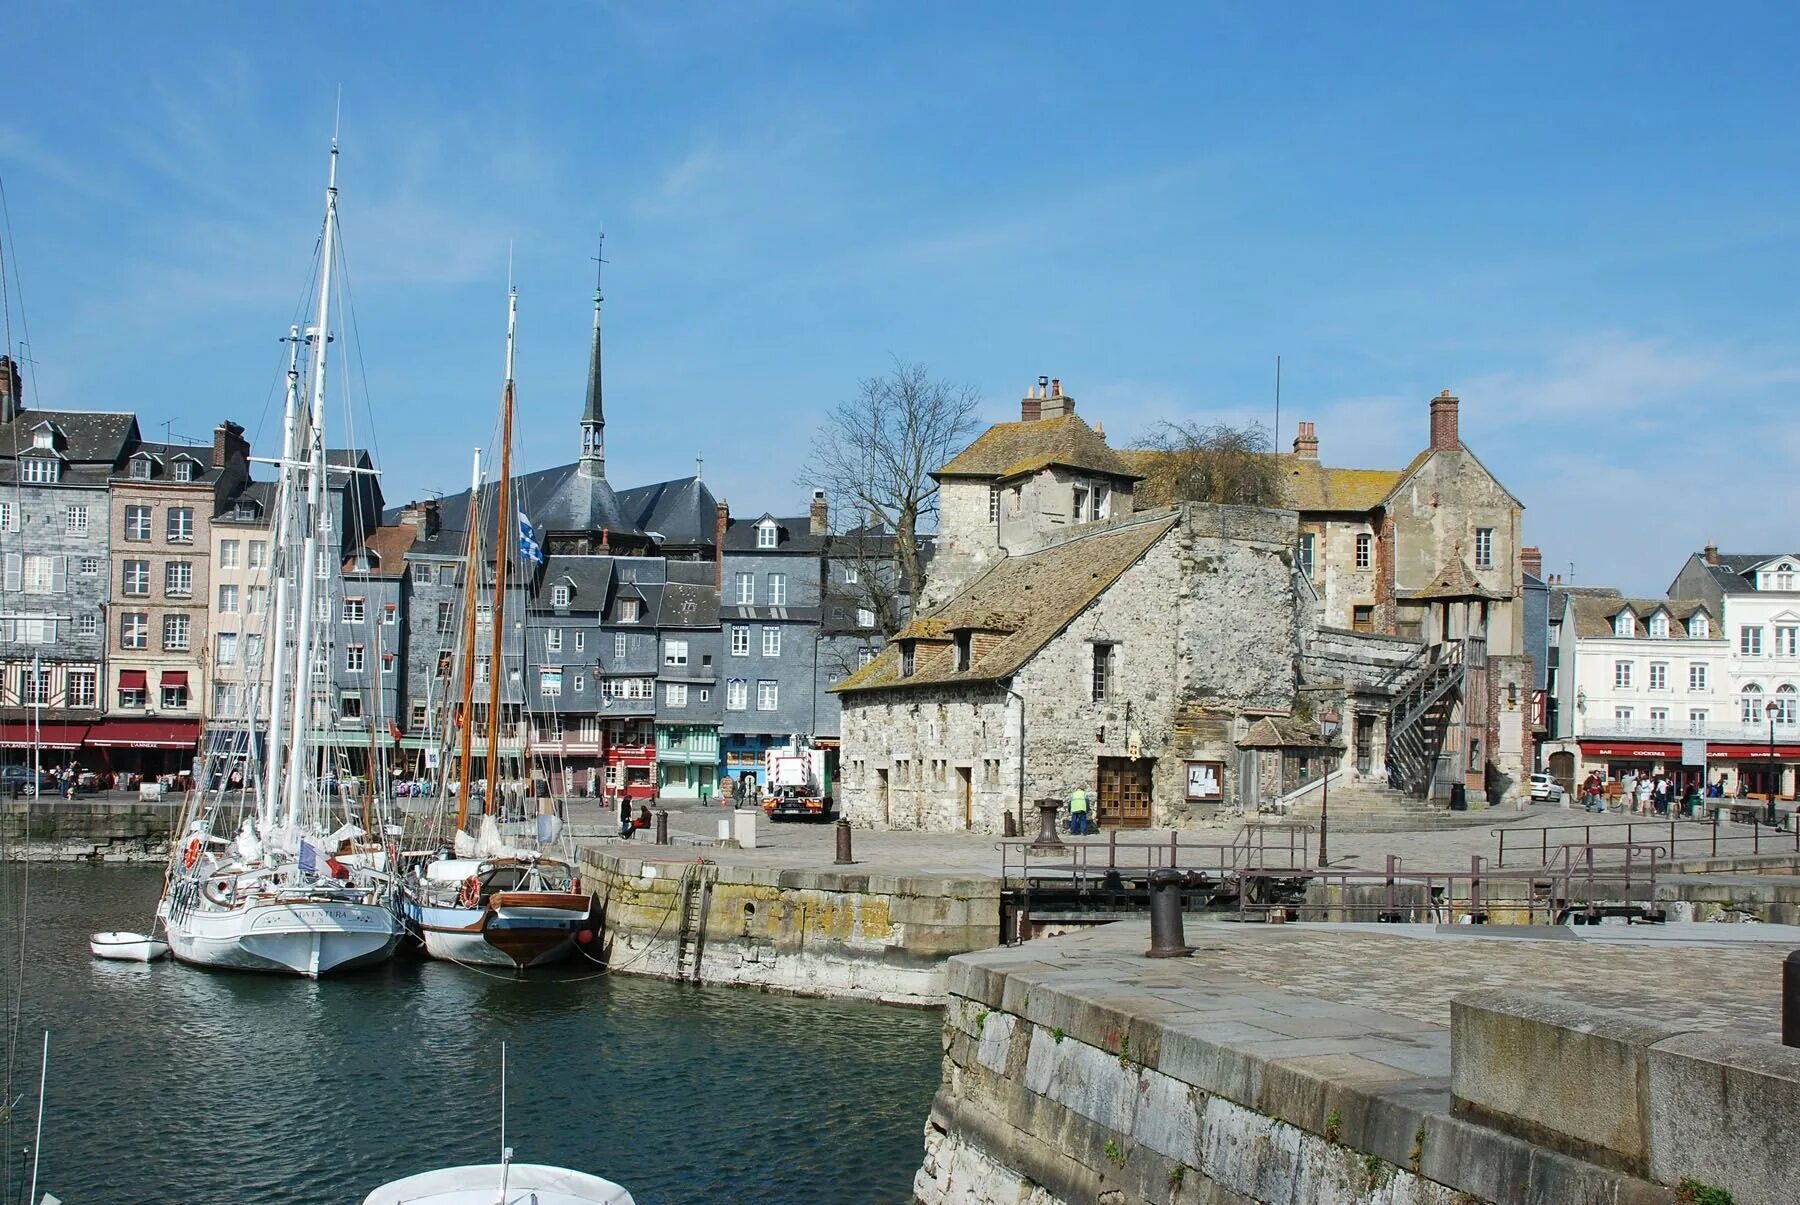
{"x":843,"y":844}
{"x":662,"y":826}
{"x":1048,"y":838}
{"x":1166,"y":937}
{"x":1715,"y":832}
{"x":1009,"y":826}
{"x":1790,"y":1000}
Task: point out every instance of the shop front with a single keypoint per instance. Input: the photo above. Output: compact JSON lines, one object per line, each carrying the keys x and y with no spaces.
{"x":1754,"y":771}
{"x":148,"y":748}
{"x":1616,"y":759}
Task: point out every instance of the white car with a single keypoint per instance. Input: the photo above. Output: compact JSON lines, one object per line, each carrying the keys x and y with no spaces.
{"x":1545,"y":789}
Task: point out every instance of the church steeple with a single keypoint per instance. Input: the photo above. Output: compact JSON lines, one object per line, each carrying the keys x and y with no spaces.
{"x":593,"y":417}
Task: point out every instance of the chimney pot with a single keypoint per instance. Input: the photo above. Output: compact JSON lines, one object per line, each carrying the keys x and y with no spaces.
{"x":1055,"y":386}
{"x":1306,"y":443}
{"x":819,"y":517}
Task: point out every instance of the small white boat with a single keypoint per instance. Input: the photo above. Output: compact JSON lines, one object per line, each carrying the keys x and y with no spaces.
{"x":127,"y":947}
{"x":488,"y":1183}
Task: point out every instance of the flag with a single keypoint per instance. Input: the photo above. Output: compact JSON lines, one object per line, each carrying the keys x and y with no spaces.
{"x":394,"y":731}
{"x":314,"y":859}
{"x":529,"y":548}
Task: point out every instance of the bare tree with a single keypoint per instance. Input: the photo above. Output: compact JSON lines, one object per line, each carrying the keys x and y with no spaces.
{"x":1210,"y":462}
{"x":876,"y":451}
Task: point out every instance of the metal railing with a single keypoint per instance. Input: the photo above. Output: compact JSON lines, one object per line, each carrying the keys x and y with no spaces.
{"x":1673,"y":837}
{"x":1283,"y":847}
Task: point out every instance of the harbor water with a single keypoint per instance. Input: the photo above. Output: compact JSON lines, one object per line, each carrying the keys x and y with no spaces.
{"x":172,"y":1084}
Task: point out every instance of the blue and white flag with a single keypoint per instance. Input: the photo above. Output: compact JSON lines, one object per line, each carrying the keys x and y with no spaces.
{"x":529,"y":548}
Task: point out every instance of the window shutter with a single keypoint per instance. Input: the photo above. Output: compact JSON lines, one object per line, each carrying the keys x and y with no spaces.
{"x":59,"y":574}
{"x":15,"y":571}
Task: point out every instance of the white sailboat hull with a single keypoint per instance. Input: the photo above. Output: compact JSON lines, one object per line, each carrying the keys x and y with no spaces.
{"x":295,"y":938}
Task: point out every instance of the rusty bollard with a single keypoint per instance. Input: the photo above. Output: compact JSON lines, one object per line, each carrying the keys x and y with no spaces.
{"x":662,"y":826}
{"x":1047,"y":839}
{"x":1790,"y":1000}
{"x":1166,"y":937}
{"x":843,"y":844}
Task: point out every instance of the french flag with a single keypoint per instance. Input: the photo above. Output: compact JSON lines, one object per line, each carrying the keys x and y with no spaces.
{"x":313,"y":860}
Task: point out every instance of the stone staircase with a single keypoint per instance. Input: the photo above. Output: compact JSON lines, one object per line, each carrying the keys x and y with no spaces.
{"x":1368,"y":807}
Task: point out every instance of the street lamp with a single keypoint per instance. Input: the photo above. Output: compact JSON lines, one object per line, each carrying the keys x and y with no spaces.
{"x":1772,"y":710}
{"x":1328,"y":726}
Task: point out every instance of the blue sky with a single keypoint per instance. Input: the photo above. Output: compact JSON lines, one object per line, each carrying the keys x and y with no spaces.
{"x":1580,"y":219}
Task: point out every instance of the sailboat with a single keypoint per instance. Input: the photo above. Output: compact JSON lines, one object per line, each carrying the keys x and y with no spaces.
{"x":487,"y":902}
{"x":276,"y":874}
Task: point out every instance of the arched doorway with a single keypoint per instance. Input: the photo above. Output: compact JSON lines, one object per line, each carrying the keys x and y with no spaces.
{"x":1562,"y":769}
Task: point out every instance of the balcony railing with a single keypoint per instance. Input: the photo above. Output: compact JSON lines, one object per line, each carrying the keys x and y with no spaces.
{"x":1677,"y":728}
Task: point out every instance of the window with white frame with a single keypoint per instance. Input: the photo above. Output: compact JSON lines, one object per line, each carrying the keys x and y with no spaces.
{"x":1484,"y":548}
{"x":1750,"y":704}
{"x":1105,"y":667}
{"x":675,"y":652}
{"x":253,"y":647}
{"x":228,"y":648}
{"x":675,"y":694}
{"x":6,"y":516}
{"x":228,"y":554}
{"x":174,"y":695}
{"x":771,"y":642}
{"x":45,"y":574}
{"x":355,"y":658}
{"x":629,"y":609}
{"x":1622,"y":717}
{"x":178,"y":579}
{"x":851,"y":576}
{"x":1699,"y":627}
{"x":141,"y":468}
{"x":90,"y":566}
{"x":84,"y":688}
{"x":179,"y":525}
{"x":1365,"y":544}
{"x":390,"y":614}
{"x":1659,"y":626}
{"x":619,"y":645}
{"x":184,"y":470}
{"x":766,"y":534}
{"x":1787,"y":640}
{"x":559,"y":596}
{"x":40,"y":470}
{"x":993,"y":504}
{"x":1624,"y":624}
{"x":1787,"y":705}
{"x":176,"y":630}
{"x":580,"y":640}
{"x":1078,"y":510}
{"x":1659,"y":719}
{"x":77,"y":519}
{"x":355,"y":610}
{"x":778,"y":589}
{"x":259,"y":554}
{"x":259,"y":600}
{"x":1307,"y":545}
{"x":225,"y":695}
{"x":768,"y":695}
{"x":34,"y":687}
{"x":137,"y":523}
{"x":1659,"y":675}
{"x":864,"y":656}
{"x":865,"y":618}
{"x":1750,"y":642}
{"x":134,"y":630}
{"x":1697,"y":720}
{"x":350,"y":705}
{"x":87,"y":624}
{"x":1697,"y":677}
{"x":1102,"y":502}
{"x":553,"y":640}
{"x":740,"y":640}
{"x":737,"y":695}
{"x":1622,"y":674}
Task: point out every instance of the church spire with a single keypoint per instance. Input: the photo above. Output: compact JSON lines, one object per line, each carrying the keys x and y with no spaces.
{"x":593,"y":417}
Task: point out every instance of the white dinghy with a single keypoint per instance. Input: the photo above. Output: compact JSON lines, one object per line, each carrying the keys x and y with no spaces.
{"x":488,"y":1183}
{"x":127,"y":947}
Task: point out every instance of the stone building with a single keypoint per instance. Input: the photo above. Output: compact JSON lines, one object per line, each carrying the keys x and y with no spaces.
{"x":1127,"y":657}
{"x":55,"y":541}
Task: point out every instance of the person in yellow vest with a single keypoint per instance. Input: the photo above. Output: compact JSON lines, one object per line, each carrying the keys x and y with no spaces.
{"x":1079,"y":822}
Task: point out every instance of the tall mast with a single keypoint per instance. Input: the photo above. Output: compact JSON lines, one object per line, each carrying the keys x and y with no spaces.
{"x":305,"y":623}
{"x":471,"y":584}
{"x":275,"y":634}
{"x":504,"y":526}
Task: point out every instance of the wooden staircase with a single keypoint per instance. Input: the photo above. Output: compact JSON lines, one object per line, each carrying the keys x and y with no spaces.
{"x":1428,"y":688}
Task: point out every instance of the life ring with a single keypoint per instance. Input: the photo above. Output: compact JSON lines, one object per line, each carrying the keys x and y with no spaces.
{"x":469,"y":894}
{"x":220,"y":891}
{"x":190,"y":853}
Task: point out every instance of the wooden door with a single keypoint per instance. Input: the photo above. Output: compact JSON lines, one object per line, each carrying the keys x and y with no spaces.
{"x":1123,"y":800}
{"x":965,"y":780}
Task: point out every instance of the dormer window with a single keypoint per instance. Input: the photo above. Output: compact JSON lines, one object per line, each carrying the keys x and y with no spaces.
{"x":1659,"y":626}
{"x":1699,"y":628}
{"x":184,"y":470}
{"x":140,"y":468}
{"x":965,"y":650}
{"x":1625,"y":624}
{"x":628,"y":609}
{"x":559,"y":597}
{"x":247,"y":512}
{"x":43,"y":437}
{"x":766,"y":534}
{"x":40,"y":470}
{"x":909,"y":659}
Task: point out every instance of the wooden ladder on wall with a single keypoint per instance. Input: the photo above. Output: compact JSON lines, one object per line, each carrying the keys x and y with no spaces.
{"x":695,"y":891}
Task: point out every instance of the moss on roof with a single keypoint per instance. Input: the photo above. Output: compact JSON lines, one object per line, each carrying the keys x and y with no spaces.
{"x":1040,"y":593}
{"x":1010,"y":449}
{"x":1594,"y":614}
{"x":1307,"y":485}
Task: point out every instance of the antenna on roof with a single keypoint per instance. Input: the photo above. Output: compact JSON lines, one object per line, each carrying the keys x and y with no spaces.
{"x":1276,"y":434}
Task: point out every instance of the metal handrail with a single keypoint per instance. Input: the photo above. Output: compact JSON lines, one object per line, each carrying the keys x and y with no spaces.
{"x":1711,"y":836}
{"x":1079,"y":861}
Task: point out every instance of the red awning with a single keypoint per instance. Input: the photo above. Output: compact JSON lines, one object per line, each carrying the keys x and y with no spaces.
{"x":174,"y":677}
{"x":1751,"y":753}
{"x":145,"y":734}
{"x":134,"y":679}
{"x":49,"y":736}
{"x":1643,"y":749}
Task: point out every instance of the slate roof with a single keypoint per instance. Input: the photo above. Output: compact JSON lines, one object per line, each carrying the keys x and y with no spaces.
{"x":1733,"y":567}
{"x":683,"y":511}
{"x":92,"y":439}
{"x":1594,"y":614}
{"x":589,"y":579}
{"x":165,"y":455}
{"x":1009,"y":449}
{"x":794,"y":536}
{"x":688,"y":606}
{"x":260,"y":492}
{"x":581,"y":503}
{"x":1031,"y":598}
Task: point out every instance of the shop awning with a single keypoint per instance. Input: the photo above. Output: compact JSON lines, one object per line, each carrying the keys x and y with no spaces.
{"x":48,"y":736}
{"x":174,"y":677}
{"x":1751,"y":753}
{"x":1652,"y":750}
{"x":134,"y":679}
{"x":145,"y":734}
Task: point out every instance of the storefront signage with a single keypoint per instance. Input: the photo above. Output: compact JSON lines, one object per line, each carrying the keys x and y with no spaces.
{"x":1206,"y":780}
{"x":1647,"y":751}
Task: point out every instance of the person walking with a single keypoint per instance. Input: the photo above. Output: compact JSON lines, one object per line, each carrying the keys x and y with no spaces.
{"x":625,"y":829}
{"x":1079,"y":824}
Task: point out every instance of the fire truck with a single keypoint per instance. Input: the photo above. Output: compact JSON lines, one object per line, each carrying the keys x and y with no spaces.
{"x":798,"y":777}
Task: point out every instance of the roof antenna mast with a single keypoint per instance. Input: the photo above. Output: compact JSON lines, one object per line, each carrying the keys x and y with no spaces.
{"x":1275,"y":435}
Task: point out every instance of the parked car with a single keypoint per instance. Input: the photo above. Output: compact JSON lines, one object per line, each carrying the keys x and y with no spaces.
{"x":17,"y":780}
{"x":1545,"y":789}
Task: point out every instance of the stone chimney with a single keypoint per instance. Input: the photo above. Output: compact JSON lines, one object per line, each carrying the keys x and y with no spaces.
{"x":1306,"y":443}
{"x":1532,"y":561}
{"x":1711,"y":553}
{"x":1056,"y":403}
{"x":1444,"y":437}
{"x":12,"y":390}
{"x":819,"y":515}
{"x":229,"y":445}
{"x":422,"y":517}
{"x":721,"y":520}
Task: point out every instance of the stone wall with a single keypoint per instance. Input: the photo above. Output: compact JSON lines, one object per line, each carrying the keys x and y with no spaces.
{"x":1357,"y":660}
{"x":87,"y":830}
{"x":905,"y":755}
{"x":811,"y":933}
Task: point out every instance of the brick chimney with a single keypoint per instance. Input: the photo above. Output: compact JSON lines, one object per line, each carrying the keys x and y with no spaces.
{"x":1306,"y":443}
{"x":721,"y":520}
{"x":12,"y":390}
{"x":1032,"y":406}
{"x":229,"y":445}
{"x":1444,"y":437}
{"x":1532,"y":561}
{"x":819,"y":514}
{"x":422,"y":517}
{"x":1711,"y":553}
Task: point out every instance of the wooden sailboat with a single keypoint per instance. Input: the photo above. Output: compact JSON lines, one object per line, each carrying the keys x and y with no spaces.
{"x":275,"y":875}
{"x":492,"y":903}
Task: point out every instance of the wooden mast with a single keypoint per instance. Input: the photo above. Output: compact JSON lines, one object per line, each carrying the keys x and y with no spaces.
{"x":471,"y":576}
{"x":503,"y":524}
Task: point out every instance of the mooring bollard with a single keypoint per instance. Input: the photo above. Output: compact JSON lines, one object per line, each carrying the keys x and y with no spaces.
{"x":1048,"y":838}
{"x":662,"y":826}
{"x":1009,"y":825}
{"x":843,"y":843}
{"x":1166,"y":937}
{"x":1790,"y":1000}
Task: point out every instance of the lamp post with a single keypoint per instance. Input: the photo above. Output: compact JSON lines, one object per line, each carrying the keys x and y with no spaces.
{"x":1328,"y":726}
{"x":1772,"y":710}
